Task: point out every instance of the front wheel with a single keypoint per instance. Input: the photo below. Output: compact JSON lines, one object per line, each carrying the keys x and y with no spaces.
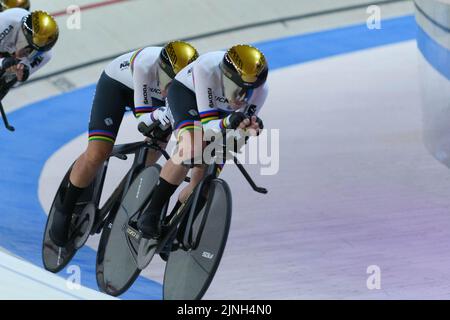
{"x":189,"y":273}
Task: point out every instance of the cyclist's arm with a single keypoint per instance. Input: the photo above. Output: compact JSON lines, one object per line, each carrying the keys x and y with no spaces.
{"x":144,"y":103}
{"x":259,"y":97}
{"x":208,"y":112}
{"x":147,"y":114}
{"x":36,"y":63}
{"x":210,"y":120}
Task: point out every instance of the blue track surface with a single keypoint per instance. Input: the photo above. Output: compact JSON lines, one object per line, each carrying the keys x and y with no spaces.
{"x":46,"y":126}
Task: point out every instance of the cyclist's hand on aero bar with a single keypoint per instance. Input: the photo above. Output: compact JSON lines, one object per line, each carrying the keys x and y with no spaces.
{"x":256,"y":126}
{"x":237,"y":120}
{"x":8,"y":63}
{"x":162,"y":115}
{"x":22,"y":72}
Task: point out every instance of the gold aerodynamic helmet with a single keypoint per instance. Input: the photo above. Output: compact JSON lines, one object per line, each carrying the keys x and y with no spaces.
{"x":244,"y":68}
{"x":41,"y":30}
{"x":8,"y":4}
{"x":173,"y":57}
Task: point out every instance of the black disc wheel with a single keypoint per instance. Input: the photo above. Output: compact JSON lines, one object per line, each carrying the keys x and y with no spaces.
{"x":116,"y":266}
{"x":189,"y":273}
{"x":55,"y":258}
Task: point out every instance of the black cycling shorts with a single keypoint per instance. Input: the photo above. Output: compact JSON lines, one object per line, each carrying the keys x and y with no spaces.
{"x":183,"y":106}
{"x":110,"y":102}
{"x":112,"y":98}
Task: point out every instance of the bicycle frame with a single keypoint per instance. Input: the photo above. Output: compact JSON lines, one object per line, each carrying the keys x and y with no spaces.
{"x":140,"y":150}
{"x":120,"y":231}
{"x":211,"y":172}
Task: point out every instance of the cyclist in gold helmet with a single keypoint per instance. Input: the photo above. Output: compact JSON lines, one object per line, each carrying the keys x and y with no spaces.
{"x":9,"y":4}
{"x":138,"y":80}
{"x":220,"y":90}
{"x":26,"y":40}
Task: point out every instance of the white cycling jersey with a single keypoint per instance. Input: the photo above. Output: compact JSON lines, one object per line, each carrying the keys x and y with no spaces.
{"x":10,"y":26}
{"x":138,"y":70}
{"x":204,"y":77}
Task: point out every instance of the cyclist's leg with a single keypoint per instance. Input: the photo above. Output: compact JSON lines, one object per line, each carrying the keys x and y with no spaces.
{"x":163,"y":136}
{"x":106,"y":115}
{"x":182,"y":101}
{"x":154,"y":155}
{"x":87,"y":165}
{"x":196,"y":176}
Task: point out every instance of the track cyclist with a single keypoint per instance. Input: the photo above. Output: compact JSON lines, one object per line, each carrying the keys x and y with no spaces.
{"x":138,"y":80}
{"x":26,"y":39}
{"x":215,"y":92}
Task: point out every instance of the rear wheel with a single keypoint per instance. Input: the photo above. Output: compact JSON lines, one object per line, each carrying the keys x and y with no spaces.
{"x":189,"y":273}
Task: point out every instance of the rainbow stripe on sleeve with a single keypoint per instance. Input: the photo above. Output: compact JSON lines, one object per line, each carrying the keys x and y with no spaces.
{"x":207,"y":116}
{"x":188,"y":125}
{"x":223,"y":123}
{"x":139,"y":111}
{"x":102,"y":135}
{"x":133,"y":58}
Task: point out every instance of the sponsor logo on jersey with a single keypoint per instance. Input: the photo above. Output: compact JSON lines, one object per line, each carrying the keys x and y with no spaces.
{"x":222,"y":99}
{"x":125,"y":65}
{"x":211,"y":98}
{"x":37,"y":61}
{"x":6,"y":32}
{"x":155,"y":90}
{"x":145,"y":93}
